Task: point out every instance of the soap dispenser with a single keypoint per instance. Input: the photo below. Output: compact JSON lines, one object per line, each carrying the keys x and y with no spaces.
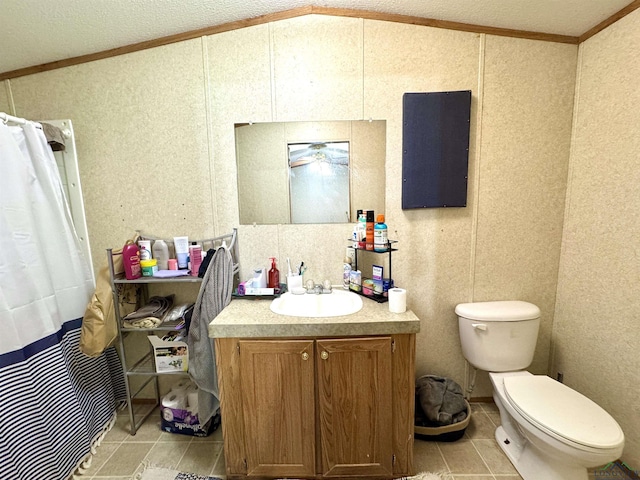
{"x":274,"y":275}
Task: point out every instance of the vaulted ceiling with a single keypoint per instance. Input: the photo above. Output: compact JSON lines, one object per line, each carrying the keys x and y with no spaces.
{"x":35,"y":32}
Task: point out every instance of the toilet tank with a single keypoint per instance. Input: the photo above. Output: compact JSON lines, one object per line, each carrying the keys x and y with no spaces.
{"x":498,"y":336}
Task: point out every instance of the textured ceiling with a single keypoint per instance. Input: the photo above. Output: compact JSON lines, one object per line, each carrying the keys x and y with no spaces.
{"x":33,"y":32}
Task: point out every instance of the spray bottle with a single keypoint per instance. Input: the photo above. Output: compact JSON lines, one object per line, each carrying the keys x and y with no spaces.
{"x":346,"y":273}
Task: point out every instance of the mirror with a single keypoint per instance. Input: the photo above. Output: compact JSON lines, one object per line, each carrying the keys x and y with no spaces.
{"x":310,"y":172}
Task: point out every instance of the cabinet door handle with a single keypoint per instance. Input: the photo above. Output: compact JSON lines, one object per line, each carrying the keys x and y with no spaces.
{"x":324,"y":355}
{"x":305,"y":356}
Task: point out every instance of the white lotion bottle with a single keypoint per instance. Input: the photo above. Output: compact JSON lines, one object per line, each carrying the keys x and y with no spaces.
{"x":181,"y":245}
{"x":160,"y":252}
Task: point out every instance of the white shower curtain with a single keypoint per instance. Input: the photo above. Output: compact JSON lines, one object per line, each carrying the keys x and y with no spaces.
{"x":55,"y":403}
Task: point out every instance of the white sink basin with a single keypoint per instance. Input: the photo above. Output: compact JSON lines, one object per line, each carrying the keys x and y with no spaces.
{"x":335,"y":304}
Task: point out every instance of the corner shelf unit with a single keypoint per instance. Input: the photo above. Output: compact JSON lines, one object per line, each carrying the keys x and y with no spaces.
{"x":145,"y":366}
{"x":358,"y":251}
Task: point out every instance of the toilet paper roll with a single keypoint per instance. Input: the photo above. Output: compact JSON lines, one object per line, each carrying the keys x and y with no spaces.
{"x":175,"y":400}
{"x":397,"y":300}
{"x":181,"y":385}
{"x":192,"y":402}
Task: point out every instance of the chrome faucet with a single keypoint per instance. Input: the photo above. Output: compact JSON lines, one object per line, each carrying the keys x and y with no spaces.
{"x":318,"y":288}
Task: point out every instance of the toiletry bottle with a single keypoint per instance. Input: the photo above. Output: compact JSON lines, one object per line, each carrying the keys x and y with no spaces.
{"x":181,"y":244}
{"x":145,"y":249}
{"x":370,"y":230}
{"x":131,"y":261}
{"x":160,"y":252}
{"x":361,"y":228}
{"x":195,"y":258}
{"x":274,"y":275}
{"x":346,"y":273}
{"x":380,"y":239}
{"x":144,"y":253}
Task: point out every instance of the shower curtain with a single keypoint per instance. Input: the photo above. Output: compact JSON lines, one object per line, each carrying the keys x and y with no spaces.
{"x":55,"y":403}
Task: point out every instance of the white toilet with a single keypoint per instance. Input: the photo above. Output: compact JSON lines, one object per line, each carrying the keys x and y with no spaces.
{"x":549,"y":431}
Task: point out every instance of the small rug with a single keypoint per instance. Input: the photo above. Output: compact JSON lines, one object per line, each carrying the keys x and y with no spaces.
{"x":159,"y":473}
{"x":427,"y":476}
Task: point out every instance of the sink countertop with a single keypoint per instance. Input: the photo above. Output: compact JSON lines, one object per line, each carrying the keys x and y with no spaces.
{"x":253,"y":318}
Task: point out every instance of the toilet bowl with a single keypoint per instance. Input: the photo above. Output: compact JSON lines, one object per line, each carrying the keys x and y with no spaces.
{"x":548,"y":431}
{"x":551,"y":431}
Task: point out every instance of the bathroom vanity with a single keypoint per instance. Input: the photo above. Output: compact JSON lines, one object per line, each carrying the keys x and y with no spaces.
{"x":316,"y":397}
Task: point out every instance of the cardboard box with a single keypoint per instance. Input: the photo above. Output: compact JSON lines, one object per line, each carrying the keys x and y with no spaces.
{"x":169,"y":356}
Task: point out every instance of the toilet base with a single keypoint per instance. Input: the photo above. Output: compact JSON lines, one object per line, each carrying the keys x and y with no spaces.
{"x":531,"y":466}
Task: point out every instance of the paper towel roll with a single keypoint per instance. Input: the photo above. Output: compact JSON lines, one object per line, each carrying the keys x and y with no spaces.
{"x":175,"y":400}
{"x":397,"y":300}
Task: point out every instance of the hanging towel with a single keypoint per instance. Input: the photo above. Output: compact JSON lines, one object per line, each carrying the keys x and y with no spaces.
{"x":54,"y":136}
{"x":215,"y":294}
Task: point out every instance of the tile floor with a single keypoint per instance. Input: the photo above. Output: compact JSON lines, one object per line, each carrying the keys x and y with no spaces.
{"x":476,"y":456}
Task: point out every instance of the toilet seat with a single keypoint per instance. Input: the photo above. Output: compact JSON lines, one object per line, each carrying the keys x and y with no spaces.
{"x":562,"y":412}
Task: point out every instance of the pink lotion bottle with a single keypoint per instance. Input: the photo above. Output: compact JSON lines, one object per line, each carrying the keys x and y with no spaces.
{"x":131,"y":261}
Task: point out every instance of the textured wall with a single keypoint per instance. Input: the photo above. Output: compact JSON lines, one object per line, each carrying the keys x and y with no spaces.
{"x":156,"y":147}
{"x":433,"y":260}
{"x":596,"y":334}
{"x":4,"y":98}
{"x":526,"y":132}
{"x":140,"y":125}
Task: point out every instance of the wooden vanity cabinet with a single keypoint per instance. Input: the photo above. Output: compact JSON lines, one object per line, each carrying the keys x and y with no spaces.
{"x":317,"y":407}
{"x":278,"y":403}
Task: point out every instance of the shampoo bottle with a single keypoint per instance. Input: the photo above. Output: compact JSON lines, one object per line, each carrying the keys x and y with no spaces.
{"x":131,"y":261}
{"x":380,"y":239}
{"x":160,"y":252}
{"x":274,"y":275}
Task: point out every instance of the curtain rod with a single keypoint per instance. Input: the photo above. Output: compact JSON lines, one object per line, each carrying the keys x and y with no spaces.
{"x":6,"y":118}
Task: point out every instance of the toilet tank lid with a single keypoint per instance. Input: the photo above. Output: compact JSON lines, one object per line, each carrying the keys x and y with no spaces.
{"x":502,"y":311}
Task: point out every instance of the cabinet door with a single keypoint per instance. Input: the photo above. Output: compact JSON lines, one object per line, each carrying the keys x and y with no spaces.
{"x":278,"y":399}
{"x":354,"y":402}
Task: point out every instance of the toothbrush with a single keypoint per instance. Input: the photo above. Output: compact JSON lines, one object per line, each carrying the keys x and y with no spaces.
{"x":290,"y":273}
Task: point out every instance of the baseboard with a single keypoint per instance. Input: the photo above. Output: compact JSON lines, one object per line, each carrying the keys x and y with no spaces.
{"x":481,"y":400}
{"x":143,"y":401}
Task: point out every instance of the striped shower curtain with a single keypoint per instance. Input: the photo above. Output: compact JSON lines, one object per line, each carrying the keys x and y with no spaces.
{"x":55,"y":403}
